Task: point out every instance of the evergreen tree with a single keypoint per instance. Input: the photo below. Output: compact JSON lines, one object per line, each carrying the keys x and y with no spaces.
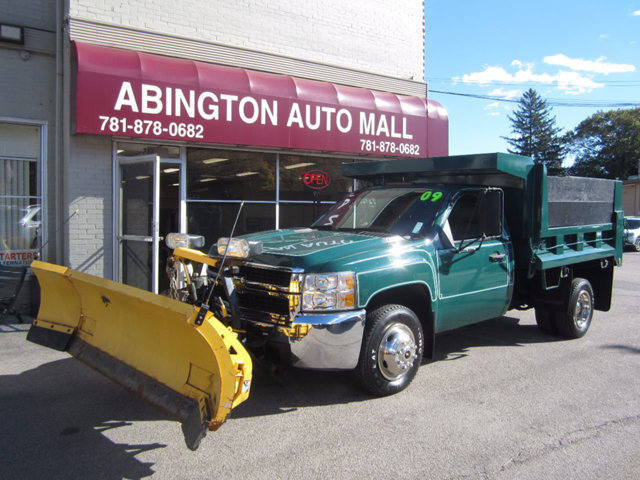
{"x":607,"y":145}
{"x":534,"y":133}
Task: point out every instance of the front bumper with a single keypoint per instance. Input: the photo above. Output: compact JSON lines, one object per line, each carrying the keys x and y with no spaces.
{"x":332,"y":341}
{"x":316,"y":341}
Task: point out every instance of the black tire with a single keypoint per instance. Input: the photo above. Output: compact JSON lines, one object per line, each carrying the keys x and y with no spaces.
{"x":546,"y":320}
{"x":576,"y":319}
{"x":391,"y":351}
{"x":636,"y":244}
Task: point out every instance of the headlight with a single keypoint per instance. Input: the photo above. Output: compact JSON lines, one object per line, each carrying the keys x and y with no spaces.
{"x":238,"y":247}
{"x":175,"y":240}
{"x":329,"y":291}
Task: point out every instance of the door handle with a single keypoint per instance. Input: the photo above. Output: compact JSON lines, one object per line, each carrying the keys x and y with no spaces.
{"x":497,"y":257}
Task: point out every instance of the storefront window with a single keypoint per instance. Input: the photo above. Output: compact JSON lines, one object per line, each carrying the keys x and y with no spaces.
{"x":20,"y":203}
{"x":230,"y":175}
{"x":215,"y":220}
{"x":301,"y":214}
{"x":139,"y":149}
{"x":312,"y":178}
{"x":218,"y":180}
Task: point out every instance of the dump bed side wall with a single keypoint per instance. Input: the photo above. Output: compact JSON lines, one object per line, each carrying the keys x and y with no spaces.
{"x":576,"y":232}
{"x":579,"y":201}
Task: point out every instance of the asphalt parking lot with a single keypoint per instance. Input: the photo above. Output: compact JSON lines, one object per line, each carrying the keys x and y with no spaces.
{"x":502,"y":401}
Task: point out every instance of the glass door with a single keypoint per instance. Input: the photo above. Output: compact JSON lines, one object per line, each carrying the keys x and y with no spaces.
{"x":151,"y":203}
{"x":138,"y":227}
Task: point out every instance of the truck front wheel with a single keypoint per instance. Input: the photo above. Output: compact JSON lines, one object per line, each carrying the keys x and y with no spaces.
{"x":575,"y":321}
{"x":391,"y":352}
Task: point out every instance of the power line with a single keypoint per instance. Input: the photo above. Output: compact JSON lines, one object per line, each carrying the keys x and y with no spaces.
{"x":551,"y":102}
{"x":451,"y":81}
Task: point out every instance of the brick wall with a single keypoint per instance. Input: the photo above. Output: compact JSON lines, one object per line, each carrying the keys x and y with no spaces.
{"x":90,"y":193}
{"x":378,"y":36}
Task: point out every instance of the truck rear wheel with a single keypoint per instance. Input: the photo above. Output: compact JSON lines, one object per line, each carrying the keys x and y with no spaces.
{"x":391,"y":352}
{"x":575,"y":321}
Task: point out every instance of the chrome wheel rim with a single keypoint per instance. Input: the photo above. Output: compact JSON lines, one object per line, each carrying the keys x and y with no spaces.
{"x":397,"y":352}
{"x":582,"y":309}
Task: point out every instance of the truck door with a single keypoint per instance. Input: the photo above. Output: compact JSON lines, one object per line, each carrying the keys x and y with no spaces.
{"x":475,"y":267}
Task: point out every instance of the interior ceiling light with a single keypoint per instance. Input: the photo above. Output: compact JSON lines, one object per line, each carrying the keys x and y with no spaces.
{"x":246,"y":174}
{"x":171,"y":170}
{"x":204,"y":180}
{"x":209,"y":161}
{"x":298,"y":165}
{"x":142,"y":177}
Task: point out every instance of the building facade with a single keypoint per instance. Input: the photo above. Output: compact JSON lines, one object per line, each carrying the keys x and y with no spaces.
{"x":123,"y":121}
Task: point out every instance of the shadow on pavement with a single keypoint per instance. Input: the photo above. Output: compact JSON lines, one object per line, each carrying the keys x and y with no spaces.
{"x":497,"y":332}
{"x":53,"y":416}
{"x":283,"y":390}
{"x":52,"y":421}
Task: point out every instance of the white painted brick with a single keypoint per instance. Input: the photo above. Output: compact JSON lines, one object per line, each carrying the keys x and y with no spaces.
{"x":379,"y":36}
{"x":90,"y":230}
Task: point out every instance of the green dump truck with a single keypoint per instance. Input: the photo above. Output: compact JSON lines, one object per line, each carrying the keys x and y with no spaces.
{"x":429,"y":245}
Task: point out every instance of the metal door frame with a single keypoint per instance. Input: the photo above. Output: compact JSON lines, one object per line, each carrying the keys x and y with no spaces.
{"x":154,"y":238}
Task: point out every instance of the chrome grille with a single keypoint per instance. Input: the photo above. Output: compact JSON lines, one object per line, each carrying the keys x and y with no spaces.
{"x":266,"y":294}
{"x":265,"y":276}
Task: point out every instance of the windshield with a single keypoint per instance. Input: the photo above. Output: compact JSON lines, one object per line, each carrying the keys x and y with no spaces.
{"x":405,"y":211}
{"x":633,"y":223}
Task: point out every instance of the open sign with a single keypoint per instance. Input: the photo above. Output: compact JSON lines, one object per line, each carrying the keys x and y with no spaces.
{"x":316,"y":179}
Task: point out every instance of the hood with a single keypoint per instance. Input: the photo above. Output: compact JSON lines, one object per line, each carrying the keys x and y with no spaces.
{"x":317,"y":250}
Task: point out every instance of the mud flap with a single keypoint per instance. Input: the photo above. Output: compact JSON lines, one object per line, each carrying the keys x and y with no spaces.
{"x":146,"y":343}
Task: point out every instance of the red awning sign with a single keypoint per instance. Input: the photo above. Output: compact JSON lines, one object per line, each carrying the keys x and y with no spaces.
{"x":133,"y":94}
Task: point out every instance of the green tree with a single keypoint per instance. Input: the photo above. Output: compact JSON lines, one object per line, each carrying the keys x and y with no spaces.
{"x":534,"y":132}
{"x":606,"y":145}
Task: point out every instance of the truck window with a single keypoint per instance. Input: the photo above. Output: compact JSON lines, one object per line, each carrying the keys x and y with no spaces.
{"x":475,"y":215}
{"x":463,"y":219}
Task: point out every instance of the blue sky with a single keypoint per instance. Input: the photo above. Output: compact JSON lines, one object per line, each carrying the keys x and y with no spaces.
{"x":571,"y":52}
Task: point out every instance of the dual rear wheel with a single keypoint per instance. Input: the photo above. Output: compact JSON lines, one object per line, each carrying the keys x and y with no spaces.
{"x":574,"y":320}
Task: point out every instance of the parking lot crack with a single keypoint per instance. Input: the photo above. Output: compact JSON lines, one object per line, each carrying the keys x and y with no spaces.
{"x":569,"y":439}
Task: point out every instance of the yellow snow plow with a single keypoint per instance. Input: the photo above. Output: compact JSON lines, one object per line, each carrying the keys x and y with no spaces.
{"x":194,"y":369}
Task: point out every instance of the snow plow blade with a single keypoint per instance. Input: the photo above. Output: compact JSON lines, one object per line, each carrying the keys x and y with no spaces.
{"x":147,"y":343}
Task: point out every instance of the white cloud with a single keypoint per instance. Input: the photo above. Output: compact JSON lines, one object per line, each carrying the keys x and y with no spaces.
{"x":521,"y":65}
{"x":500,"y":75}
{"x":593,"y":66}
{"x":573,"y":83}
{"x":570,"y":82}
{"x":492,"y":105}
{"x":636,"y":13}
{"x":507,"y":95}
{"x":603,"y":35}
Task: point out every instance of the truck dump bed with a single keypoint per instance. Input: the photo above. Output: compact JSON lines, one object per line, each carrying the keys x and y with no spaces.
{"x":553,"y":221}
